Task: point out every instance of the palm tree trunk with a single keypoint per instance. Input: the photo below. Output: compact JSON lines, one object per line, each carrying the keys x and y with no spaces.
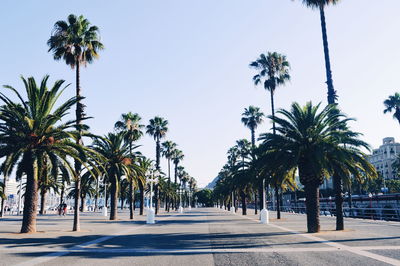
{"x":77,"y":226}
{"x":79,"y":116}
{"x":42,"y":201}
{"x":169,"y":185}
{"x":96,"y":196}
{"x":131,"y":200}
{"x":31,"y":197}
{"x":62,"y":194}
{"x":141,"y":189}
{"x":82,"y":204}
{"x":156,"y":198}
{"x":176,"y":173}
{"x":260,"y":195}
{"x":331,"y":91}
{"x":278,"y":202}
{"x":3,"y":199}
{"x":158,"y":168}
{"x":114,"y":199}
{"x":244,"y":205}
{"x":255,"y":203}
{"x":337,"y":182}
{"x":312,"y":205}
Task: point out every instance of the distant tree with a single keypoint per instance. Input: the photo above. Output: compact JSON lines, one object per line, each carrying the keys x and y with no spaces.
{"x":392,"y":104}
{"x":157,"y":128}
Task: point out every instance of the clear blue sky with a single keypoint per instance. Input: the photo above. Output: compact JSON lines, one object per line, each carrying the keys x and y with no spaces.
{"x":188,"y":62}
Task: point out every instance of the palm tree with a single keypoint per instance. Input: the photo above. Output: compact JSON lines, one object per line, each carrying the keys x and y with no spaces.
{"x":157,"y":128}
{"x":145,"y":165}
{"x":321,"y":4}
{"x":31,"y":132}
{"x":273,"y":71}
{"x":393,"y":104}
{"x":177,"y":158}
{"x":77,"y":42}
{"x":308,"y":140}
{"x":117,"y":163}
{"x":130,"y":124}
{"x":46,"y":183}
{"x":167,"y":150}
{"x":251,"y":118}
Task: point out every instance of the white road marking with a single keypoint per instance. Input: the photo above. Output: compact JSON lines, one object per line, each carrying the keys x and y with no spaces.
{"x":355,"y":250}
{"x":53,"y":255}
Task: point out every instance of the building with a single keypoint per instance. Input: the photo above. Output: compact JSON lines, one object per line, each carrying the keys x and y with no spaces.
{"x":384,"y":157}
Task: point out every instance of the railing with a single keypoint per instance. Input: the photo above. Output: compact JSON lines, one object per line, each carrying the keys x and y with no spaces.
{"x":387,"y":214}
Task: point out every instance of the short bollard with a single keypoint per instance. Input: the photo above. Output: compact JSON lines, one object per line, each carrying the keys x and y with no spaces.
{"x":264,"y":216}
{"x":150,"y":216}
{"x":104,"y":210}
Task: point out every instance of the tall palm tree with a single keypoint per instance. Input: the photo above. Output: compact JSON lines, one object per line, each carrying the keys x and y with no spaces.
{"x":157,"y":128}
{"x":308,"y":140}
{"x":273,"y":71}
{"x":31,"y":132}
{"x":117,"y":163}
{"x":130,"y":124}
{"x":167,"y":150}
{"x":393,"y":104}
{"x":76,"y":42}
{"x":251,"y":118}
{"x":320,"y":5}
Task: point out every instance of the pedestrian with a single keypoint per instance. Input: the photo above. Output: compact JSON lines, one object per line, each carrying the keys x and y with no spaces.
{"x":64,"y":209}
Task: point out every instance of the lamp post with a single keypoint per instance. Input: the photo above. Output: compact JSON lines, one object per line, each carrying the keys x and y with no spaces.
{"x":264,"y":215}
{"x":180,"y":199}
{"x":150,"y":211}
{"x":195,"y":201}
{"x":370,"y":203}
{"x":233,"y":203}
{"x":190,"y":203}
{"x":104,"y":211}
{"x":20,"y":196}
{"x":330,"y":205}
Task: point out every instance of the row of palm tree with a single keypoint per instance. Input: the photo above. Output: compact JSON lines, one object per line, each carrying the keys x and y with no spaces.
{"x":273,"y":71}
{"x":310,"y":143}
{"x":39,"y":145}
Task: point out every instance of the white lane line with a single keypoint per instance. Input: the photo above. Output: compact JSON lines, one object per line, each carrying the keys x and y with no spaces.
{"x":53,"y":255}
{"x":354,"y":250}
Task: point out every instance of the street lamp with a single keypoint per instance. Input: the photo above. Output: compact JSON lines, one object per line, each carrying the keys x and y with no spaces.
{"x":233,"y":203}
{"x":190,"y":205}
{"x":330,"y":205}
{"x":264,"y":215}
{"x":180,"y":191}
{"x":150,"y":211}
{"x":104,"y":211}
{"x":370,"y":203}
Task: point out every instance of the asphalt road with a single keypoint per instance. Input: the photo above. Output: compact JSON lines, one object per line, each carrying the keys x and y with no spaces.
{"x":200,"y":237}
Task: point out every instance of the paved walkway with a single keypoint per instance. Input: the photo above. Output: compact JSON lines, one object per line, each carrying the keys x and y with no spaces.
{"x":200,"y":237}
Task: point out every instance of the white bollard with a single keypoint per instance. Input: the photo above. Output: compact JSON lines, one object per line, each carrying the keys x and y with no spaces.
{"x":264,"y":216}
{"x":180,"y":209}
{"x":104,"y":211}
{"x":190,"y":208}
{"x":150,"y":216}
{"x":233,"y":210}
